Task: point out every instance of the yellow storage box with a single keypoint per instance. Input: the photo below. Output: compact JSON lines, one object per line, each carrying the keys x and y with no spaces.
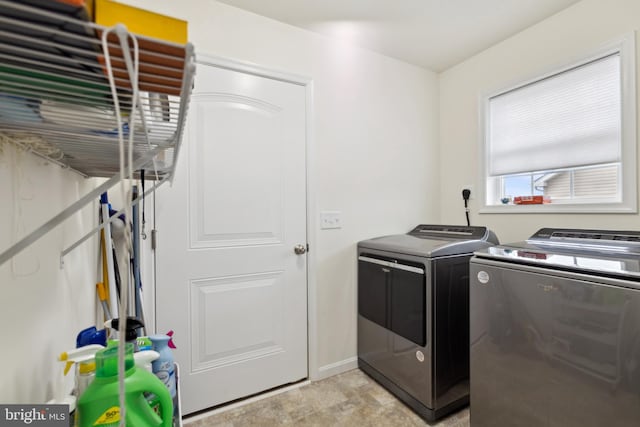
{"x":139,"y":21}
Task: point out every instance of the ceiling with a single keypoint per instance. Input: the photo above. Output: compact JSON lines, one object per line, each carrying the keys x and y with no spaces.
{"x":434,"y":34}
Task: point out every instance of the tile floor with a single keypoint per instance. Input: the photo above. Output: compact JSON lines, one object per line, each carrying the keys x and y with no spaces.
{"x":348,"y":399}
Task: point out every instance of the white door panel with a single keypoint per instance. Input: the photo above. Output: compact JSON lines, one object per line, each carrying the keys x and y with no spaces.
{"x":228,"y":281}
{"x":252,"y":303}
{"x":238,"y":224}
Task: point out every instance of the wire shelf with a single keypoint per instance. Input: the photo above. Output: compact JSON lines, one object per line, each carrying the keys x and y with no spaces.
{"x":54,"y":87}
{"x":57,"y":102}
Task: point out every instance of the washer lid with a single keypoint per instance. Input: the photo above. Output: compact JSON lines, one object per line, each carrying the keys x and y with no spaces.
{"x":434,"y":241}
{"x":595,"y":251}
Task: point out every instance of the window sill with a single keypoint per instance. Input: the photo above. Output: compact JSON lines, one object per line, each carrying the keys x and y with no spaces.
{"x":612,"y":208}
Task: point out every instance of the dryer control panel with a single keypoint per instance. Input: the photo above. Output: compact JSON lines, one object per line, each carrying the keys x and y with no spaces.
{"x":428,"y":231}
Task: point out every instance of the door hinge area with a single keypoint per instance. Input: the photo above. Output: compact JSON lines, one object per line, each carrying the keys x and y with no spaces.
{"x":154,"y":239}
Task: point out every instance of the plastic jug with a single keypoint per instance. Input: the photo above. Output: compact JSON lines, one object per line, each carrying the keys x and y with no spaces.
{"x":100,"y":403}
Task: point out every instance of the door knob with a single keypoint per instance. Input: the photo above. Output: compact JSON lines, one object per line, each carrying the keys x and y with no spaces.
{"x":299,"y":249}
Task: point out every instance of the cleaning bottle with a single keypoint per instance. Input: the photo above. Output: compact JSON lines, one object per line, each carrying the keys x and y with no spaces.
{"x":90,"y":336}
{"x":143,"y":359}
{"x":144,"y":343}
{"x":131,"y":332}
{"x":100,"y":403}
{"x":164,"y":366}
{"x":84,"y":359}
{"x":85,"y":375}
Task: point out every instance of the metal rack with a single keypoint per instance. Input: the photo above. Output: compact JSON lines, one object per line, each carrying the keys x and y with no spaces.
{"x":56,"y":100}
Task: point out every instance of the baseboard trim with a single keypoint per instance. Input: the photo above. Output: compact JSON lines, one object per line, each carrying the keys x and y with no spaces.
{"x":336,"y":368}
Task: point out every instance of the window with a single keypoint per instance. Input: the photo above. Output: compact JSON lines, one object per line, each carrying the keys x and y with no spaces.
{"x":567,"y":137}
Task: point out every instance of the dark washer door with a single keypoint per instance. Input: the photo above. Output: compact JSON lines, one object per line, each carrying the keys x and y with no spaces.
{"x":408,"y":305}
{"x":392,"y":293}
{"x":373,"y":284}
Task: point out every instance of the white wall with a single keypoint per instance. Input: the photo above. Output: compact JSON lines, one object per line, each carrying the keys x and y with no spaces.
{"x":559,"y":40}
{"x":374,"y":136}
{"x":42,"y":307}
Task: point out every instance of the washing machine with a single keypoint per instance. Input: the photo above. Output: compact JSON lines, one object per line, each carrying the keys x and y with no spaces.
{"x":555,"y":330}
{"x":413,"y":314}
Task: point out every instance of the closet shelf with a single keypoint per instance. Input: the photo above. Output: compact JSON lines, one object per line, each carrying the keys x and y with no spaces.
{"x":56,"y":98}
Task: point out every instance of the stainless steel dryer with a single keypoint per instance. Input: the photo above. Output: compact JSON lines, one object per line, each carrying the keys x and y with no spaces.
{"x":555,"y":330}
{"x":413,"y":314}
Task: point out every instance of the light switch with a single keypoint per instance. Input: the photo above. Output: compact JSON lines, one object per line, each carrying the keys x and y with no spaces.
{"x":330,"y":219}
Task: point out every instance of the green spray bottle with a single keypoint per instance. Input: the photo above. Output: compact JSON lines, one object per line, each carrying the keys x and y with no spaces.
{"x":99,"y":406}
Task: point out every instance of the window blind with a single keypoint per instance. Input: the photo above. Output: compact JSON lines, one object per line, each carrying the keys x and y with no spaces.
{"x":566,"y":120}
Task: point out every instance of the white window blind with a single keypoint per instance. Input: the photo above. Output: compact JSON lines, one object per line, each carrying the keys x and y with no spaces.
{"x":570,"y":119}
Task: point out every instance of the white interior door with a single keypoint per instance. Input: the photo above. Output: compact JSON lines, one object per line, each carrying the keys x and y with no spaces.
{"x":228,"y":281}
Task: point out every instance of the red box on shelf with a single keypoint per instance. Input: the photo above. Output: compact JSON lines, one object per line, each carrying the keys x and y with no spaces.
{"x":531,"y":200}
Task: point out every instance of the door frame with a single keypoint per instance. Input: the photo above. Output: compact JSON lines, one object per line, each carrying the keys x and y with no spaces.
{"x":311,"y":216}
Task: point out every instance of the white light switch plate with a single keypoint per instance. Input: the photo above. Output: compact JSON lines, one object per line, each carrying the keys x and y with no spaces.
{"x":330,"y":219}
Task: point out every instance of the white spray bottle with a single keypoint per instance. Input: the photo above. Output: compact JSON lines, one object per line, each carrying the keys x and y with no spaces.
{"x":143,"y":359}
{"x":84,"y":359}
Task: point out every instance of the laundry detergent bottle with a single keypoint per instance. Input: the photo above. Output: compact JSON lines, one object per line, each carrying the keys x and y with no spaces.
{"x":100,"y":403}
